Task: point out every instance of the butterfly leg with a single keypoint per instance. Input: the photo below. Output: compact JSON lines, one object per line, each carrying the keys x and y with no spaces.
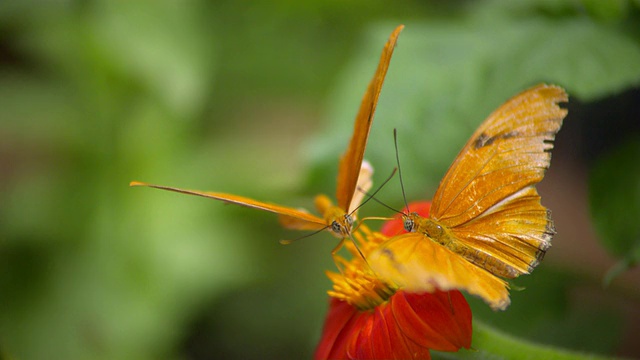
{"x":339,"y":261}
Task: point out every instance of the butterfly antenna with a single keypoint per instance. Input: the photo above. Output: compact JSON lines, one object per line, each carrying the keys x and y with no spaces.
{"x":355,"y":243}
{"x":404,"y":195}
{"x":287,"y":242}
{"x":371,"y":196}
{"x":357,"y":247}
{"x":338,"y":260}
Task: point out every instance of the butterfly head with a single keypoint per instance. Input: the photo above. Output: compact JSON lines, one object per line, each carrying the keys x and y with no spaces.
{"x":410,"y":221}
{"x":341,"y":226}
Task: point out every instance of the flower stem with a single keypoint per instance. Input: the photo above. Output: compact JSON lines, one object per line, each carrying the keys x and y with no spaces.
{"x":489,"y":343}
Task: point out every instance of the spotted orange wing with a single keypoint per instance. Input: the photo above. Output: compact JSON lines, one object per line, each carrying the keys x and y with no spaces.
{"x":312,"y":222}
{"x":488,"y":197}
{"x":488,"y":206}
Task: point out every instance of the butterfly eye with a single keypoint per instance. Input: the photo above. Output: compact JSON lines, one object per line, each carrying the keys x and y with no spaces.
{"x":348,"y":219}
{"x":336,"y":227}
{"x":409,"y":225}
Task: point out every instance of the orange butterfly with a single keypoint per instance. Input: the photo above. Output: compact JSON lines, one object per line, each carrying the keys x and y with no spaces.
{"x":486,"y":221}
{"x":353,"y":172}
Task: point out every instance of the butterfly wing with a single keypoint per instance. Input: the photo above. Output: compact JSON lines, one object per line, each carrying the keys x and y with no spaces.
{"x":351,"y":161}
{"x":365,"y":183}
{"x":304,"y":219}
{"x":488,"y":197}
{"x":417,"y":264}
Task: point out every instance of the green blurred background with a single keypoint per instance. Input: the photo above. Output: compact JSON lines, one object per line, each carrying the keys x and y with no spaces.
{"x":258,"y":98}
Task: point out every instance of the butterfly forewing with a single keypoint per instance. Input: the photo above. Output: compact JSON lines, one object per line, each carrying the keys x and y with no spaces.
{"x":351,"y":160}
{"x":513,"y":141}
{"x":301,"y":216}
{"x":365,"y":183}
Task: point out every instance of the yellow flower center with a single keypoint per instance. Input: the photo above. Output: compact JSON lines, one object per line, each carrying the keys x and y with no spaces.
{"x":357,"y":284}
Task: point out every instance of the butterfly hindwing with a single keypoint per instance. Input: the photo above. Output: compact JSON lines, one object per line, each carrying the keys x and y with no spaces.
{"x":417,"y":264}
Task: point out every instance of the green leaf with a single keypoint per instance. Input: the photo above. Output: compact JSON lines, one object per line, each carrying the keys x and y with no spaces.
{"x":446,"y":77}
{"x":489,"y":343}
{"x":166,"y":47}
{"x":614,"y":199}
{"x":607,"y":10}
{"x":544,"y":311}
{"x":628,"y":262}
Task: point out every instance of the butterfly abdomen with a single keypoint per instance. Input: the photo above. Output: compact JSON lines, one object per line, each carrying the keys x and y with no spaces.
{"x":487,"y":262}
{"x":443,"y":236}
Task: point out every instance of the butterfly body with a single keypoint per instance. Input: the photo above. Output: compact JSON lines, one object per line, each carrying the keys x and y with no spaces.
{"x":439,"y":233}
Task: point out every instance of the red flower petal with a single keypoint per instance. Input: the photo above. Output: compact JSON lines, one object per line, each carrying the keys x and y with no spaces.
{"x":359,"y":347}
{"x":335,"y":330}
{"x":405,"y":327}
{"x":381,"y":331}
{"x":395,"y":226}
{"x":402,"y":347}
{"x":448,"y":325}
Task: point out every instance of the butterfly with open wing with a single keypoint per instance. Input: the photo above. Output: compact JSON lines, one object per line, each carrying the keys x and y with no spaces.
{"x":353,"y":173}
{"x":486,"y":222}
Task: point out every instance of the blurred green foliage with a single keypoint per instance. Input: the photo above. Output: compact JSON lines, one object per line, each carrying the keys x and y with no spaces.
{"x":255,"y":98}
{"x":619,"y":172}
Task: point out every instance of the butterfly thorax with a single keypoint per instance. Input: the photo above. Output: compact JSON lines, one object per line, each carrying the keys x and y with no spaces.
{"x":429,"y":227}
{"x":338,"y":221}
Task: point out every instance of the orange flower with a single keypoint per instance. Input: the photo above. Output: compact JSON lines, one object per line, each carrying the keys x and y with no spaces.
{"x":369,"y":319}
